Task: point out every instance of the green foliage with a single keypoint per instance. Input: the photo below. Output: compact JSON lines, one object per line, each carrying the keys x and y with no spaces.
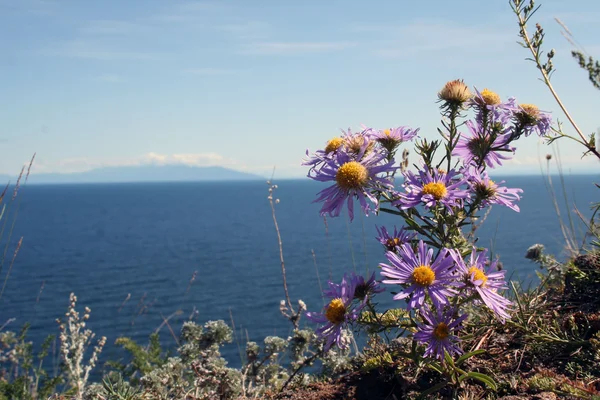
{"x":142,"y":359}
{"x":118,"y":389}
{"x":25,"y":377}
{"x":590,"y":65}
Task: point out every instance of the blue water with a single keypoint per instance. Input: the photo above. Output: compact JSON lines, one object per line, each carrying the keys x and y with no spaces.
{"x":105,"y":242}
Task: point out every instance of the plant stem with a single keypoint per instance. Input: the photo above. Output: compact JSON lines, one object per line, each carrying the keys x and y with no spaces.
{"x":525,"y":36}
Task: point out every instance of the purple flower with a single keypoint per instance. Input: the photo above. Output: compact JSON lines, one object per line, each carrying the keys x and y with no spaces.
{"x":391,"y":138}
{"x":491,"y":101}
{"x":356,"y":284}
{"x":531,"y":119}
{"x":484,"y":144}
{"x":353,"y":177}
{"x":489,"y":192}
{"x":320,"y":157}
{"x":358,"y":143}
{"x":337,"y":314}
{"x":437,"y":332}
{"x":397,"y":239}
{"x":354,"y":144}
{"x":431,"y":189}
{"x":422,"y":275}
{"x":363,"y":290}
{"x":475,"y":277}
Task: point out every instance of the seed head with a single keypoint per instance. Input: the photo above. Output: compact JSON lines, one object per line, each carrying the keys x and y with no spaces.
{"x":455,"y":92}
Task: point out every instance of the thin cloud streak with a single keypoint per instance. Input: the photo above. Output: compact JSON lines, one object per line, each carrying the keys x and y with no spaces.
{"x":294,"y":48}
{"x":208,"y":71}
{"x":110,"y":78}
{"x":95,"y":51}
{"x":422,"y":36}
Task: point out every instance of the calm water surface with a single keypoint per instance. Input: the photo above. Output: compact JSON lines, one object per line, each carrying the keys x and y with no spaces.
{"x":129,"y":252}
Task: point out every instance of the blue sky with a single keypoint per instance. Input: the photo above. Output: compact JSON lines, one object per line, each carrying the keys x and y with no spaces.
{"x":252,"y":84}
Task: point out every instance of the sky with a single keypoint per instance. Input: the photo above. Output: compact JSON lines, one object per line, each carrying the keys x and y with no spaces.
{"x":251,"y":85}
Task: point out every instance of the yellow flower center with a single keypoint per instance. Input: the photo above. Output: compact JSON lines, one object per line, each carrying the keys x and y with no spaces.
{"x":352,"y":175}
{"x":423,"y":275}
{"x":529,"y":114}
{"x":391,"y":243}
{"x":336,"y":310}
{"x":441,"y":331}
{"x":486,"y":191}
{"x":490,"y":98}
{"x":436,"y":189}
{"x":387,"y":132}
{"x":530,"y":109}
{"x":333,"y":144}
{"x":478,"y":275}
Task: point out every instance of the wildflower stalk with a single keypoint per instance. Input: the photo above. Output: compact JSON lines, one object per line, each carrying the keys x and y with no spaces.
{"x":524,"y":13}
{"x":74,"y":340}
{"x":279,"y":242}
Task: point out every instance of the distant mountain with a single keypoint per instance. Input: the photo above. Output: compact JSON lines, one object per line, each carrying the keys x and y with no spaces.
{"x":142,"y":173}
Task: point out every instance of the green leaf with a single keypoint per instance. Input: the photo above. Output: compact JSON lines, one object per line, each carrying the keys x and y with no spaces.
{"x":449,"y":359}
{"x":466,"y":356}
{"x":437,"y":367}
{"x":488,"y":381}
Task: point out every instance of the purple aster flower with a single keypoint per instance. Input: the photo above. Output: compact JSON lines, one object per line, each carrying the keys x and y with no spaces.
{"x":484,"y":145}
{"x":431,"y":189}
{"x":394,"y":241}
{"x":475,"y":277}
{"x":490,"y":192}
{"x":437,"y":332}
{"x":337,"y":314}
{"x":531,"y":119}
{"x":320,"y":157}
{"x":353,"y":177}
{"x":391,"y":138}
{"x":491,"y":101}
{"x":363,"y":290}
{"x":355,"y":284}
{"x":352,"y":143}
{"x":421,"y":275}
{"x":358,"y":143}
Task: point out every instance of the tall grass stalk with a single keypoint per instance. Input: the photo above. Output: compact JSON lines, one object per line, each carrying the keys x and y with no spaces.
{"x":4,"y":216}
{"x":567,"y":227}
{"x":279,"y":241}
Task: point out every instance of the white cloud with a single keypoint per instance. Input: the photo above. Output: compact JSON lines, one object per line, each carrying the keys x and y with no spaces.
{"x":95,"y":50}
{"x":292,"y":48}
{"x":110,"y":78}
{"x":431,"y":35}
{"x":247,"y":31}
{"x":207,"y":71}
{"x":112,"y":27}
{"x":194,"y":159}
{"x":81,"y":164}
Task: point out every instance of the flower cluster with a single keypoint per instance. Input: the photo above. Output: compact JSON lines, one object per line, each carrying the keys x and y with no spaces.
{"x":357,"y":164}
{"x":444,"y":281}
{"x":347,"y":299}
{"x":432,"y":262}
